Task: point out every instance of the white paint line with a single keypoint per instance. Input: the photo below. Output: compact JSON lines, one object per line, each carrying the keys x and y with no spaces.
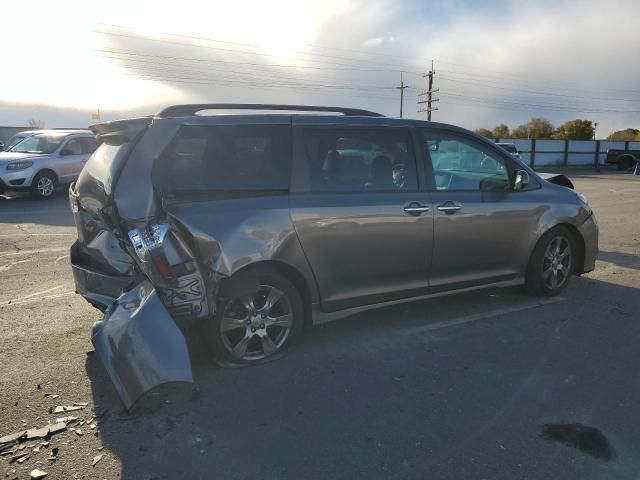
{"x":40,"y":212}
{"x":480,"y":316}
{"x":4,"y":268}
{"x":60,"y":258}
{"x":30,"y":300}
{"x":29,"y":252}
{"x":38,"y":235}
{"x":31,"y":295}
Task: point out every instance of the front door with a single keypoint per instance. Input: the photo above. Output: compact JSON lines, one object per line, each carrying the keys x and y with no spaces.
{"x":364,"y":226}
{"x":71,"y":159}
{"x":481,"y":226}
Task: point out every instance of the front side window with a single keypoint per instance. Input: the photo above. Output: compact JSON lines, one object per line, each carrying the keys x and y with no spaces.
{"x":226,"y":158}
{"x":462,"y":164}
{"x":88,"y":145}
{"x":358,"y":160}
{"x":73,"y":147}
{"x":38,"y":144}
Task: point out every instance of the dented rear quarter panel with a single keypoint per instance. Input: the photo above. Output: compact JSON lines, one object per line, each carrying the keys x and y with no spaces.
{"x":231,"y":234}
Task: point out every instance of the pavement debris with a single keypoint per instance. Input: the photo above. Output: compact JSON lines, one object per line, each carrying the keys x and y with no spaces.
{"x":8,"y":441}
{"x":18,"y":456}
{"x":36,"y":473}
{"x":13,"y":437}
{"x":68,"y":420}
{"x":96,"y":459}
{"x":22,"y":459}
{"x":69,"y":408}
{"x":79,"y":432}
{"x":51,"y":396}
{"x":38,"y":432}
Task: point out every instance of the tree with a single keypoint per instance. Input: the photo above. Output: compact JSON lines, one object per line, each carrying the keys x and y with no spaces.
{"x":575,"y":130}
{"x":535,"y":128}
{"x":628,"y":134}
{"x":484,"y":132}
{"x":35,"y":124}
{"x":501,"y":131}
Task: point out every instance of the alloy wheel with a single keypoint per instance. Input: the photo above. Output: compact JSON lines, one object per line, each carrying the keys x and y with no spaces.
{"x":255,"y":326}
{"x":45,"y":186}
{"x":556,"y":267}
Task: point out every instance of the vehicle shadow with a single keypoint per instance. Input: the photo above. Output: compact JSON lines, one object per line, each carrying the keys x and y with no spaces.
{"x":625,"y":260}
{"x":378,"y":395}
{"x":21,"y":208}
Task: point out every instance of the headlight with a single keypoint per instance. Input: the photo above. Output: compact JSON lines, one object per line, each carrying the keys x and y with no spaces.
{"x":19,"y":165}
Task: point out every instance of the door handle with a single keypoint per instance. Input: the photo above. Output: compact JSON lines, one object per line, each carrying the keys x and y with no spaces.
{"x":449,"y":207}
{"x":415,"y":208}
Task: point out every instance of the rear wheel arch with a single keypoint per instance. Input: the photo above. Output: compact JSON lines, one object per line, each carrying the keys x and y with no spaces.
{"x":626,"y":160}
{"x":287,"y":271}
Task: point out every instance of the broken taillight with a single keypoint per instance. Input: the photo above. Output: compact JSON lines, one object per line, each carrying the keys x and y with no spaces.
{"x":168,"y":262}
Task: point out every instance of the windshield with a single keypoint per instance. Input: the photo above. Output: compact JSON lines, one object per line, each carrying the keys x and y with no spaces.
{"x":38,"y":144}
{"x":509,"y":147}
{"x":13,"y":141}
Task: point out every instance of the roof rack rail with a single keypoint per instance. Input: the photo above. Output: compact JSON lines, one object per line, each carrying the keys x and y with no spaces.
{"x":192,"y":109}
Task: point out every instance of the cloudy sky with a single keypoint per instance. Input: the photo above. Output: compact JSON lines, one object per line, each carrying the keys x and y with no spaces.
{"x":495,"y":60}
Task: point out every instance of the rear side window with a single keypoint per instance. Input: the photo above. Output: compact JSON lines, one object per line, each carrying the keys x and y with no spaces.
{"x":252,"y":157}
{"x":358,"y":160}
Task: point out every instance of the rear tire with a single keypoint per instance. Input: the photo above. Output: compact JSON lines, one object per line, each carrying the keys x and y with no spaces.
{"x":552,"y":262}
{"x":44,"y":186}
{"x":259,"y":324}
{"x":626,"y":163}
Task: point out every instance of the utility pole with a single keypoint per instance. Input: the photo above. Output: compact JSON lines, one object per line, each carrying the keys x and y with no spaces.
{"x":401,"y":88}
{"x":595,"y":127}
{"x":429,"y":94}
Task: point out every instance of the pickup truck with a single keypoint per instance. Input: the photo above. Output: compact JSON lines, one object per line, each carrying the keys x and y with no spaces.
{"x":624,"y":159}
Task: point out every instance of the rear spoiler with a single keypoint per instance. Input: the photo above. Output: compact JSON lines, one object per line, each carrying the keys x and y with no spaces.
{"x":121,"y":131}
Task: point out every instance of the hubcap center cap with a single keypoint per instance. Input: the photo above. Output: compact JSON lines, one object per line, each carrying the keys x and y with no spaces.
{"x":256,"y":321}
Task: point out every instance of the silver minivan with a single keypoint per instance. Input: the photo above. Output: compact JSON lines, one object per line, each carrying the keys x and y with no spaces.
{"x":249,"y":227}
{"x":43,"y":160}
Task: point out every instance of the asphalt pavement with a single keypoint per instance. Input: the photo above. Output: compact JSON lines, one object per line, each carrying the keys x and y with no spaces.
{"x":485,"y":385}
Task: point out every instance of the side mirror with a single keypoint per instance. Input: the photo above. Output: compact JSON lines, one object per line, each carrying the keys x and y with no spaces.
{"x":66,"y":151}
{"x":521,"y":179}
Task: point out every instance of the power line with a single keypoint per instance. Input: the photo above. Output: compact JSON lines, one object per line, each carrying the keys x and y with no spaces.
{"x":186,"y":73}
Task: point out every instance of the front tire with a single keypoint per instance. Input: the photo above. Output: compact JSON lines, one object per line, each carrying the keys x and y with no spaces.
{"x":259,"y":324}
{"x":44,"y":185}
{"x":551,"y":263}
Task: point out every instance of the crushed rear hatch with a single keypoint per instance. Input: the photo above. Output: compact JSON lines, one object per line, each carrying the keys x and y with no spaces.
{"x":132,"y":264}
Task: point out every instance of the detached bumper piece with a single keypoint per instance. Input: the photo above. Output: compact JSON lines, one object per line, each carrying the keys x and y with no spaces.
{"x":140,"y":344}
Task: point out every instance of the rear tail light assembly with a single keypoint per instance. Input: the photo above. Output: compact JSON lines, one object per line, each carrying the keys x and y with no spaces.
{"x":170,"y":265}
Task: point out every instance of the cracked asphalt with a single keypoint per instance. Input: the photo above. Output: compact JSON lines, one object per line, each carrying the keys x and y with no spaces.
{"x":493,"y":384}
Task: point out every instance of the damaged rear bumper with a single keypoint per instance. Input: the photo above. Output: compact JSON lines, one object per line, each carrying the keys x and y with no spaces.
{"x":140,"y":344}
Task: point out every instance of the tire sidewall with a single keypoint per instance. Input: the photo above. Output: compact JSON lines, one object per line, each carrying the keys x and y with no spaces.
{"x":34,"y":186}
{"x":213,"y":336}
{"x":534,"y":275}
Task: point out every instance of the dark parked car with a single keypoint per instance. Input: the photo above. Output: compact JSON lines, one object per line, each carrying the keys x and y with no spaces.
{"x":252,"y":226}
{"x":623,"y":159}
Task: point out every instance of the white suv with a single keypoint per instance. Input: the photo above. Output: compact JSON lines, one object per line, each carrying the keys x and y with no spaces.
{"x":42,"y":161}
